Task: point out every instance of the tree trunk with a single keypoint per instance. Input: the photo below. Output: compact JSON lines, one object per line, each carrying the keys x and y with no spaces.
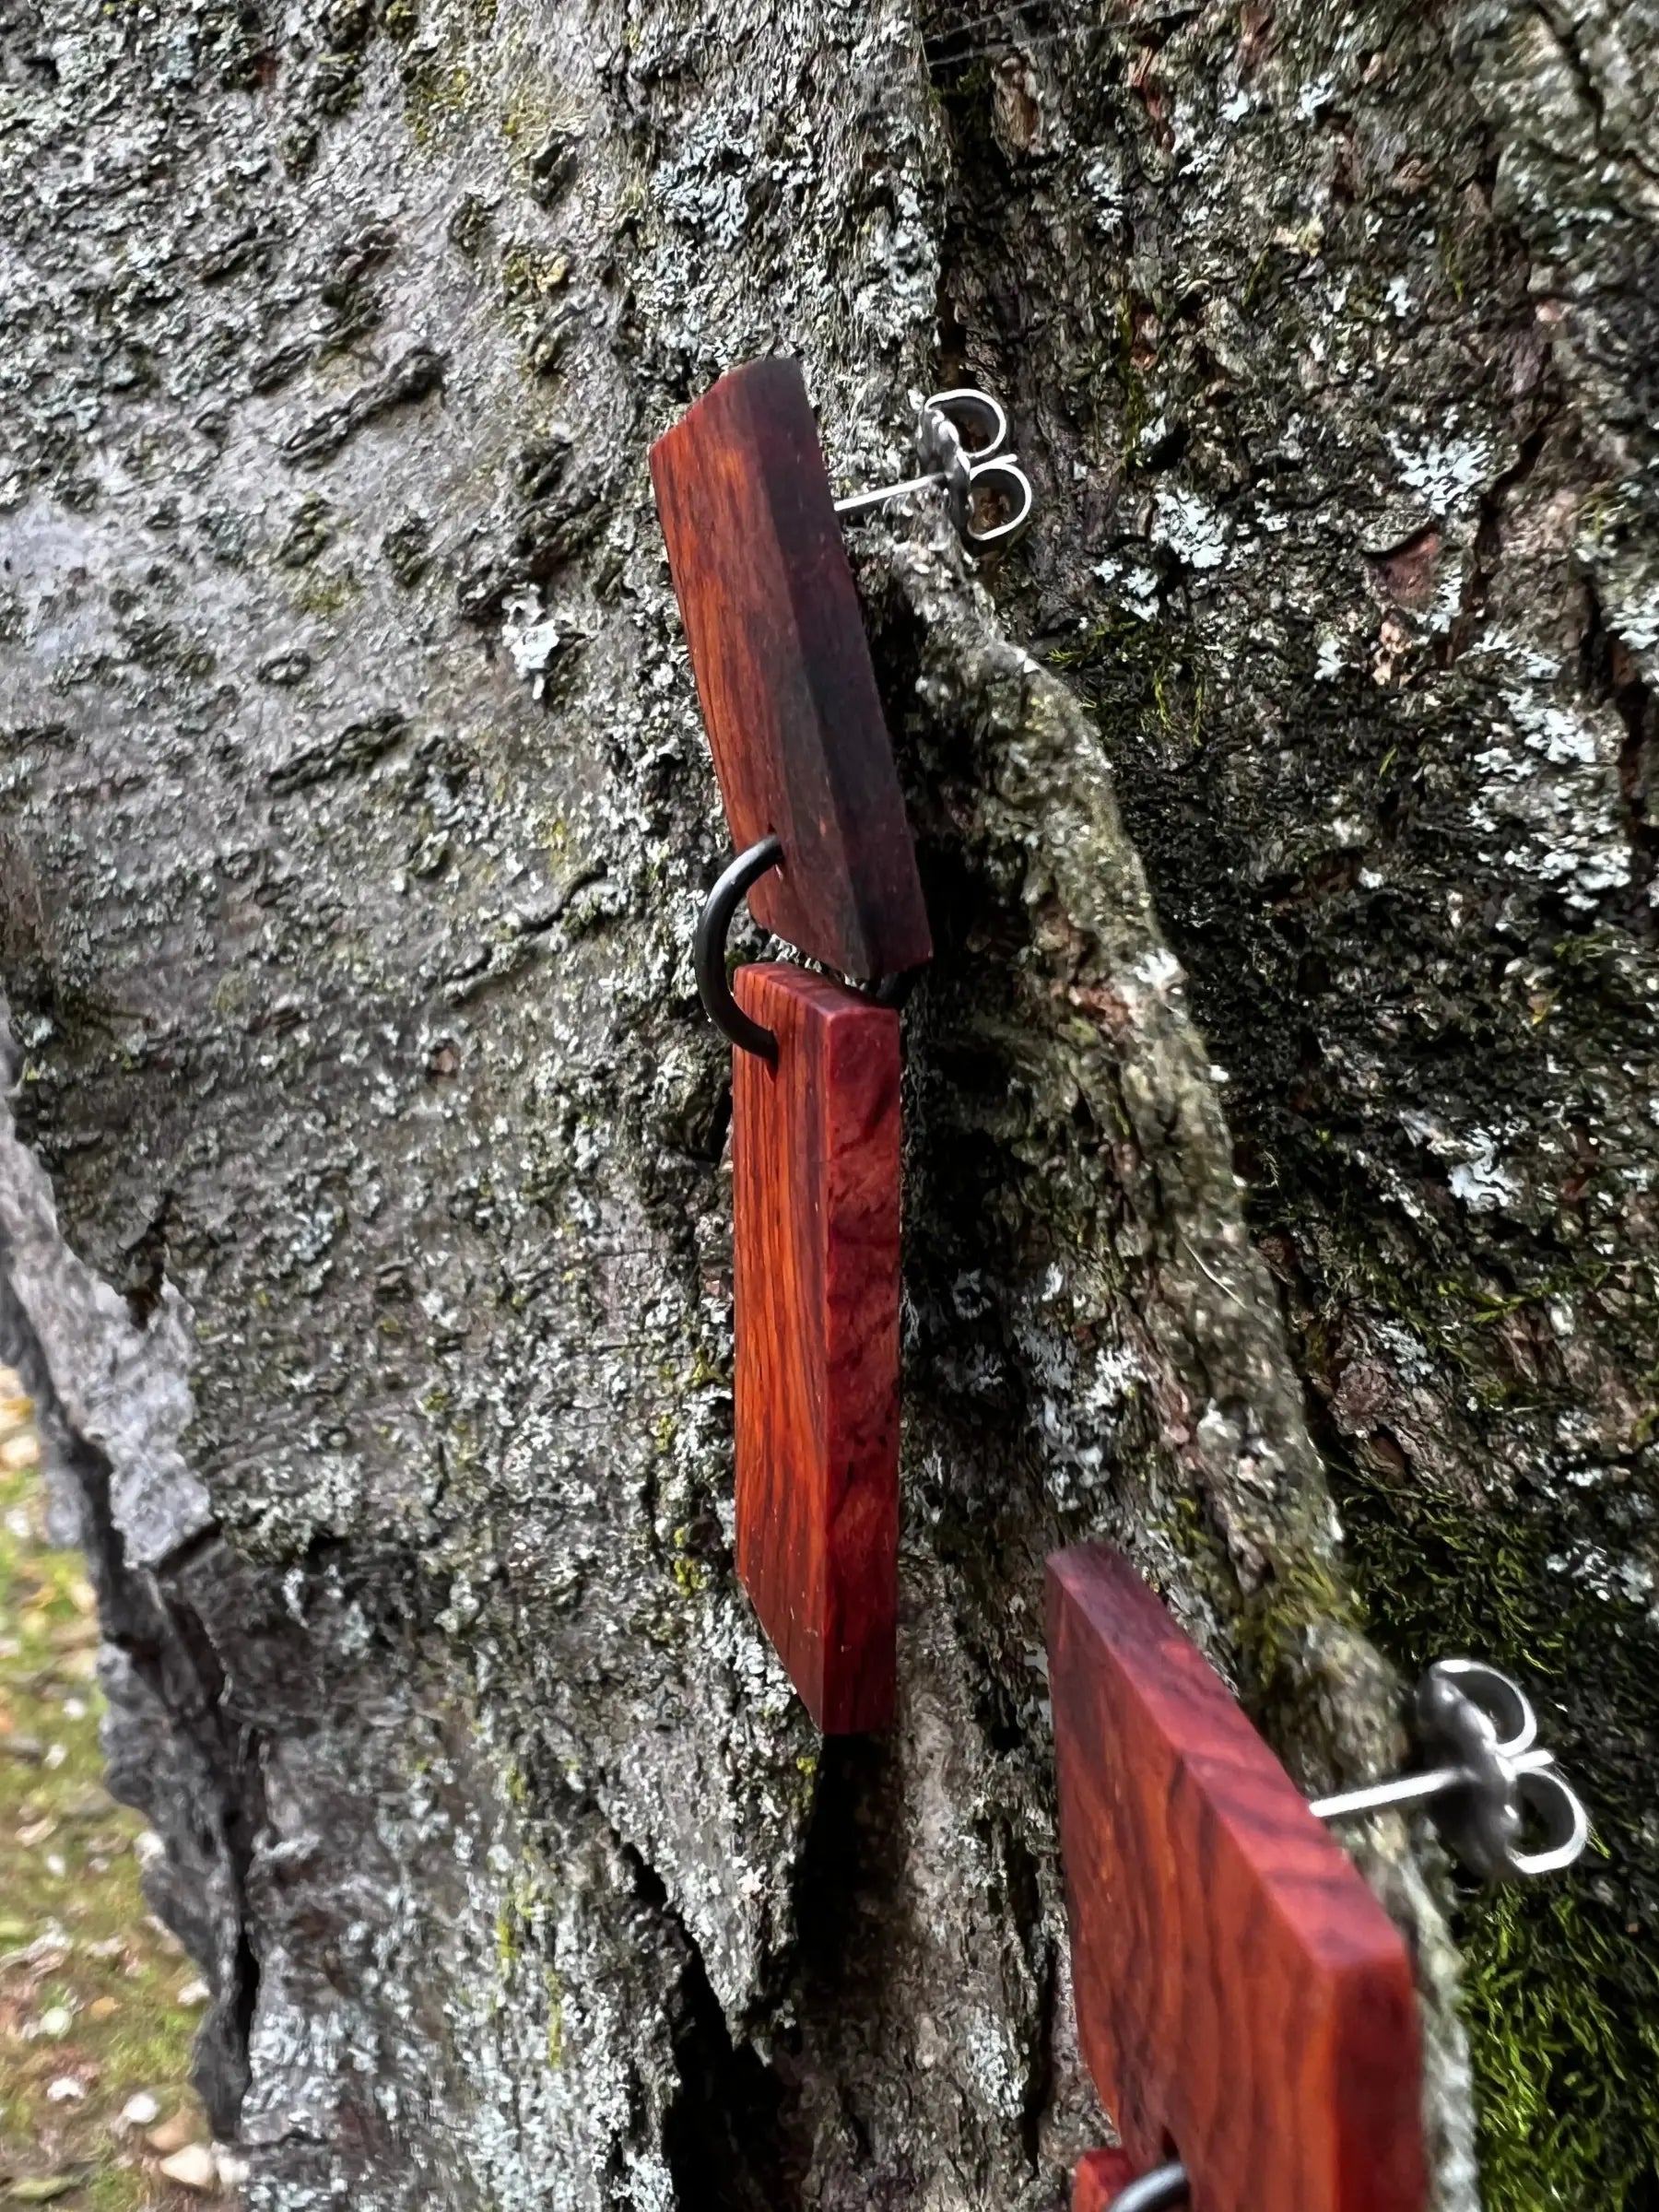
{"x":1280,"y":1147}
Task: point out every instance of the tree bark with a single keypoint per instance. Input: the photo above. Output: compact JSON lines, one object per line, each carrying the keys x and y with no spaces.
{"x":1280,"y":1151}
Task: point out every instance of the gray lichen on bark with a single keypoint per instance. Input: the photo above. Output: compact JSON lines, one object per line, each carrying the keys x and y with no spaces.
{"x":357,"y":810}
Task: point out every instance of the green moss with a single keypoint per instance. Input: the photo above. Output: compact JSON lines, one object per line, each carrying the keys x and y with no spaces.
{"x":1562,"y":1990}
{"x":434,"y":88}
{"x":1451,"y":268}
{"x":1564,"y":2011}
{"x":1253,"y":285}
{"x":523,"y":1936}
{"x":327,"y":593}
{"x":1301,"y":1594}
{"x":529,"y":275}
{"x":1144,"y":683}
{"x":527,"y":116}
{"x":1138,"y":407}
{"x":74,"y":1930}
{"x":531,"y":282}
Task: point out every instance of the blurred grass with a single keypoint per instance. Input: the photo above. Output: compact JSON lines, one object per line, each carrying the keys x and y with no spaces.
{"x":92,"y":2014}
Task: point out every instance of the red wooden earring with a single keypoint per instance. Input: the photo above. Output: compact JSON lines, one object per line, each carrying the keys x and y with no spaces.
{"x":1245,"y":2006}
{"x":811,"y":793}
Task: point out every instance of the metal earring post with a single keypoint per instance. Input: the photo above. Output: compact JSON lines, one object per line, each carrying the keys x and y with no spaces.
{"x":962,"y":468}
{"x":1490,"y":1781}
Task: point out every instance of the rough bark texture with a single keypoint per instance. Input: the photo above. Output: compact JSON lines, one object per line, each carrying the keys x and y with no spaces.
{"x":358,"y":810}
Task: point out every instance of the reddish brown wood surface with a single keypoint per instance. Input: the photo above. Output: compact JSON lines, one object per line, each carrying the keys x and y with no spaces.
{"x":1244,"y":2002}
{"x":1098,"y":2177}
{"x":815,"y":1162}
{"x":782,"y":668}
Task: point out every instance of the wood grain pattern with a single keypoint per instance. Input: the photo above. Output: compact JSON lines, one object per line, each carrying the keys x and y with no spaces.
{"x":1240,"y":1995}
{"x":783,"y":671}
{"x":815,"y":1161}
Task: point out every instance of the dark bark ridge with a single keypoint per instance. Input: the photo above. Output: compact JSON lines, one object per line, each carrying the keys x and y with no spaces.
{"x":1341,"y":330}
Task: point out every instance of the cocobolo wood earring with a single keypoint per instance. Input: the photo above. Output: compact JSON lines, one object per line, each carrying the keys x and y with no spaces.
{"x":812,"y":797}
{"x":1244,"y":2002}
{"x":1241,"y":1997}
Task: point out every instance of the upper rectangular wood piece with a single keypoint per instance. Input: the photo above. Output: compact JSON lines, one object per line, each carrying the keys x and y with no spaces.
{"x":783,"y":671}
{"x":815,"y":1204}
{"x":1244,"y":2002}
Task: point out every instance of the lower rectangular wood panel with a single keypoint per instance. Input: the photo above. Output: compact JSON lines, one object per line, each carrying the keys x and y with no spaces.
{"x":815,"y":1158}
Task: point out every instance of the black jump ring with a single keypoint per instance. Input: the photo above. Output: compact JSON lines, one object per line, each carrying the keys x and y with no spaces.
{"x":1164,"y":2185}
{"x":709,"y":950}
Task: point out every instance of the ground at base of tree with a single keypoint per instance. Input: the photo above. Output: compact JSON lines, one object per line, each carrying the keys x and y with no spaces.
{"x":97,"y":2002}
